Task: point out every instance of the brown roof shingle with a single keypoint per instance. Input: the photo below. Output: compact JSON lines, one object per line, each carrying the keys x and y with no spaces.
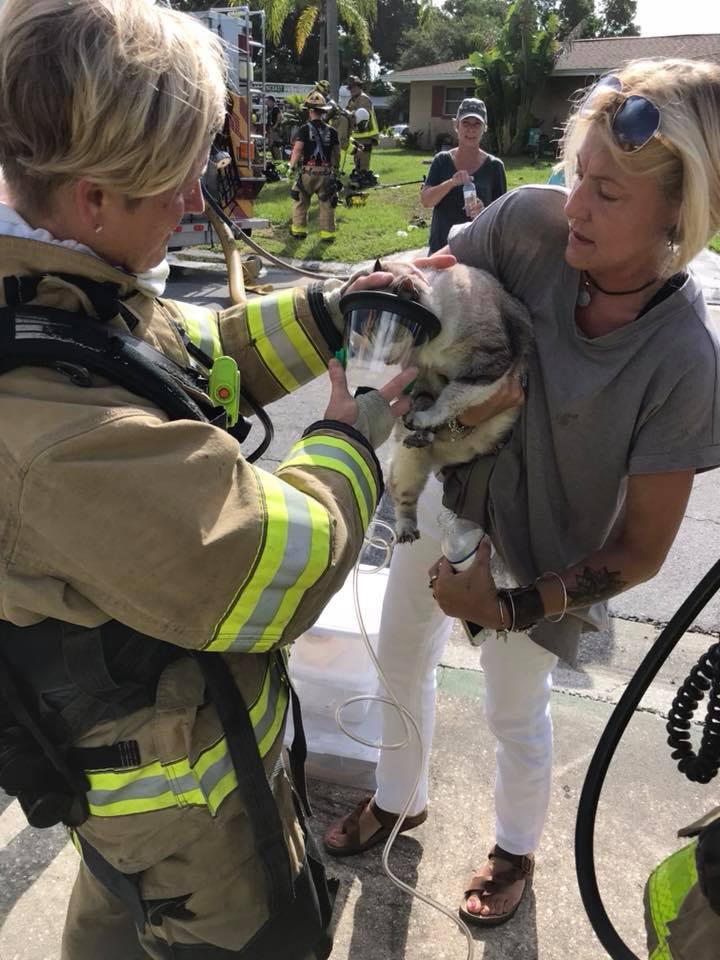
{"x":590,"y":56}
{"x":582,"y":57}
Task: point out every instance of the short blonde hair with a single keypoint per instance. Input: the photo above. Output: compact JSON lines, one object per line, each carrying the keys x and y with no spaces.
{"x":126,"y":93}
{"x":684,"y":158}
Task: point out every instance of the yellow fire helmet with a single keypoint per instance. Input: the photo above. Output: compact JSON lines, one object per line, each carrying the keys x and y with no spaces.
{"x":316,"y":101}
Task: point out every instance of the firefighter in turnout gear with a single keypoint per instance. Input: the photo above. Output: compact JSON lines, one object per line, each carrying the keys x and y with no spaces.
{"x":682,"y":897}
{"x":364,"y":133}
{"x":150,"y":577}
{"x":316,"y":157}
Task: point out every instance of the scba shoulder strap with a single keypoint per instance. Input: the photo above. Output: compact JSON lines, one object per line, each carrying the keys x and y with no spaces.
{"x":78,"y":345}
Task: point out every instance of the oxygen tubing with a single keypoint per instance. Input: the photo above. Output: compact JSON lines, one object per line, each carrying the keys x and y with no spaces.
{"x":409,"y":724}
{"x":605,"y":750}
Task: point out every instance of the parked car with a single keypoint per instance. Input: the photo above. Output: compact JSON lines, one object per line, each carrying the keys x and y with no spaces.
{"x":399,"y":130}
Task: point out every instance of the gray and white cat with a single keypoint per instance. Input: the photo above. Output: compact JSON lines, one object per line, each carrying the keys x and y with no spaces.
{"x":485,"y":337}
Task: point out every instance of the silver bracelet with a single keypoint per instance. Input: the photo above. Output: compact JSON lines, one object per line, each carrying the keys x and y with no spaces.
{"x":507,"y":595}
{"x":501,"y":608}
{"x":551,"y":573}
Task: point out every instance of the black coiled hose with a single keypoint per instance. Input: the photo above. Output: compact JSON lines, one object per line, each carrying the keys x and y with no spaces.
{"x":602,"y":758}
{"x":704,"y":677}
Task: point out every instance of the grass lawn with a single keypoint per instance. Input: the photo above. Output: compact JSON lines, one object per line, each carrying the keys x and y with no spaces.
{"x":372,"y":230}
{"x":715,"y":243}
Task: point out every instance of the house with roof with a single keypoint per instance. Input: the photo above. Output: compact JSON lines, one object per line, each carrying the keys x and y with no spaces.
{"x":436,"y":90}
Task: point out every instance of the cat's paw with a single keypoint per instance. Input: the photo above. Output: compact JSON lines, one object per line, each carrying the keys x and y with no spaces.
{"x":422,"y":419}
{"x":419,"y":439}
{"x":406,"y":531}
{"x":422,"y":401}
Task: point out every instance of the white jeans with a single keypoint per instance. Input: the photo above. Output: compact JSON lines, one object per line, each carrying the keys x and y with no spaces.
{"x":518,"y":680}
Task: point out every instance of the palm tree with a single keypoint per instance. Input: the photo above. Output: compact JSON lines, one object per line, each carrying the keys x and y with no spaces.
{"x":511,"y":74}
{"x":356,"y":16}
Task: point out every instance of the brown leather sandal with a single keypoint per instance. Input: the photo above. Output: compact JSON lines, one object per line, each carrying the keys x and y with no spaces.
{"x":342,"y":838}
{"x":497,"y":875}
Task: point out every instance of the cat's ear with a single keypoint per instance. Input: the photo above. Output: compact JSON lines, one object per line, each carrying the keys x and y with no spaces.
{"x":378,"y":266}
{"x":406,"y":288}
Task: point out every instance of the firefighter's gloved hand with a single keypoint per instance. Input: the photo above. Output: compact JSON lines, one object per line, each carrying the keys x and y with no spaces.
{"x":335,"y":290}
{"x":375,"y":417}
{"x":372,"y":413}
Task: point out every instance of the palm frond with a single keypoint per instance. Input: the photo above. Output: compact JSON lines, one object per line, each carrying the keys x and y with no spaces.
{"x":304,"y":26}
{"x":277,"y":12}
{"x":355,"y":22}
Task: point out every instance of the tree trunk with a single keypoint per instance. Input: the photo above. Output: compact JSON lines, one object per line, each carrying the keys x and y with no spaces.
{"x":321,"y":44}
{"x":333,"y":51}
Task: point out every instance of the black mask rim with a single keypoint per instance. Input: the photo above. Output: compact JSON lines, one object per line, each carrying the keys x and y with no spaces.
{"x":417,"y":319}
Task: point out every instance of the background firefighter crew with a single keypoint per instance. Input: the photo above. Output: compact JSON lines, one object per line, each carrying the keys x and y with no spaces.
{"x":316,"y":153}
{"x":146,"y":566}
{"x":364,"y":132}
{"x":273,"y":127}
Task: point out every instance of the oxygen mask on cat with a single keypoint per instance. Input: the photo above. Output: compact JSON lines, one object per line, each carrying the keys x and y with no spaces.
{"x":382,"y":331}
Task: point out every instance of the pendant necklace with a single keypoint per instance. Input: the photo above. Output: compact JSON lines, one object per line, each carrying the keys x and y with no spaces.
{"x":584,"y":296}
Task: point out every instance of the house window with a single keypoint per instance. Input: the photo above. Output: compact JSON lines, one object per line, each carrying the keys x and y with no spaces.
{"x":454,"y":96}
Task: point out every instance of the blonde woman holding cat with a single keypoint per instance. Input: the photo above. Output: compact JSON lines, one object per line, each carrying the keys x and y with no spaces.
{"x":585,"y":499}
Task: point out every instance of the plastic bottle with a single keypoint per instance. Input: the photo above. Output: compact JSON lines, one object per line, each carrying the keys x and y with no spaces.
{"x":469,"y":197}
{"x":460,"y":542}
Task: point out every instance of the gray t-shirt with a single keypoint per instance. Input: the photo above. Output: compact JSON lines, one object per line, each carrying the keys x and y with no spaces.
{"x":642,"y":399}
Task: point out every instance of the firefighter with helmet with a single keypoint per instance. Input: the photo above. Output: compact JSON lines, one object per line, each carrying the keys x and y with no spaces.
{"x":364,"y":133}
{"x":316,"y":158}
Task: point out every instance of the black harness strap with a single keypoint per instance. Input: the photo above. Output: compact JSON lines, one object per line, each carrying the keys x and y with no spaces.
{"x":103,"y":295}
{"x":19,"y":290}
{"x":252,"y":779}
{"x":125,"y":886}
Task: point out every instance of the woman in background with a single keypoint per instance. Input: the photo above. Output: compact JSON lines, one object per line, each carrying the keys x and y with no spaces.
{"x":452,"y":169}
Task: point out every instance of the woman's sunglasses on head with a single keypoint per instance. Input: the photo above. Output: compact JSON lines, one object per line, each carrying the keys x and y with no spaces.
{"x":635,"y":122}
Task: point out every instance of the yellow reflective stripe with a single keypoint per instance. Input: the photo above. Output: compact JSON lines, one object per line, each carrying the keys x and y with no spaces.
{"x":266,"y":349}
{"x":343,"y":458}
{"x":294,"y":553}
{"x":315,"y":460}
{"x":347,"y":451}
{"x":668,"y":886}
{"x":372,"y":131}
{"x":298,"y":337}
{"x":278,"y":719}
{"x":201,"y":326}
{"x":158,"y":786}
{"x":282,"y":343}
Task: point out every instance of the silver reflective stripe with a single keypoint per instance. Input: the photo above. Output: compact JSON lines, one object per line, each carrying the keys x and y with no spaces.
{"x":141,"y":789}
{"x":294,"y":561}
{"x":336,"y":453}
{"x":287,"y":352}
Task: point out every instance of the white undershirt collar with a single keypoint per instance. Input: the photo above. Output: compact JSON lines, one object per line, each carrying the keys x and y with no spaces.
{"x":151,"y":282}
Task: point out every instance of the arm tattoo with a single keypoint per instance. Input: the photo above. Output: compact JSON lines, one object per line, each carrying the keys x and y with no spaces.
{"x":594,"y":585}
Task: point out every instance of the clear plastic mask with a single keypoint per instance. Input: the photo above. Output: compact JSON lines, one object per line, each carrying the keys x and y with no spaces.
{"x":382,"y":331}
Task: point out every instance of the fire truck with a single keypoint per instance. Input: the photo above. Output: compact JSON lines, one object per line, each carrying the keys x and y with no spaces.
{"x":235,"y":174}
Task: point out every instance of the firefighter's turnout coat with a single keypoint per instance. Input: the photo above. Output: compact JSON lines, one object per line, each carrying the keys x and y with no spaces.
{"x":111,"y":512}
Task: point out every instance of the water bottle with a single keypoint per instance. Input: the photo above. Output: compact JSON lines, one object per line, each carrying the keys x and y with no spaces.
{"x":469,"y":198}
{"x":460,"y":542}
